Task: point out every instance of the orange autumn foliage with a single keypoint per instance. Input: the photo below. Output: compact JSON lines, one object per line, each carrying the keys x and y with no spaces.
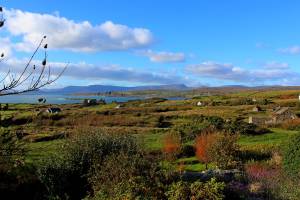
{"x":203,"y":144}
{"x":171,"y":144}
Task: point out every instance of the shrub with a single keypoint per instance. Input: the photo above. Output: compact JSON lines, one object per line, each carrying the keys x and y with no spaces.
{"x":178,"y":190}
{"x":291,"y":156}
{"x":224,"y":151}
{"x":189,"y":130}
{"x":211,"y":190}
{"x":291,"y":124}
{"x":215,"y":122}
{"x":65,"y":175}
{"x":171,"y":145}
{"x":121,"y":176}
{"x":11,"y":150}
{"x":204,"y":143}
{"x":187,"y":151}
{"x":241,"y":127}
{"x":260,"y":172}
{"x":270,"y":182}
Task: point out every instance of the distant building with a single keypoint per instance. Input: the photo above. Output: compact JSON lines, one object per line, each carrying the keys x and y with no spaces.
{"x":199,"y":103}
{"x":257,"y":120}
{"x":90,"y":102}
{"x":279,"y":115}
{"x":283,"y":114}
{"x":53,"y":110}
{"x":256,"y":109}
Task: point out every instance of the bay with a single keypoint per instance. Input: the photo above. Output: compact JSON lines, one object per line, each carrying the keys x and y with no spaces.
{"x":64,"y":99}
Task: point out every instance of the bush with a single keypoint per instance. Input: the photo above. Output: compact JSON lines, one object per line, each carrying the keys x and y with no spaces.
{"x":179,"y":190}
{"x":241,"y":127}
{"x":171,"y":145}
{"x":187,"y":151}
{"x":128,"y":177}
{"x":11,"y":150}
{"x":65,"y":175}
{"x":211,"y":190}
{"x":189,"y":130}
{"x":291,"y":124}
{"x":291,"y":156}
{"x":224,"y":151}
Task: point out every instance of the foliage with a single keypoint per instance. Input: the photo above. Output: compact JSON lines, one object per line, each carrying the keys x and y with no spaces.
{"x":241,"y":127}
{"x":269,"y":181}
{"x":258,"y":172}
{"x":291,"y":156}
{"x":11,"y":150}
{"x":121,"y":176}
{"x":291,"y":124}
{"x":178,"y":190}
{"x":65,"y":175}
{"x":187,"y":151}
{"x":172,"y":145}
{"x":211,"y":190}
{"x":224,"y":151}
{"x":189,"y":130}
{"x":203,"y":145}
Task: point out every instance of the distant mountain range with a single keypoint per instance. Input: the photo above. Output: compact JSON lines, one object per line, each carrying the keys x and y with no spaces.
{"x":109,"y":88}
{"x":93,"y":89}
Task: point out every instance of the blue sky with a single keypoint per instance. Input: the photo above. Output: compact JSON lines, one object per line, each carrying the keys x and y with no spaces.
{"x":139,"y":42}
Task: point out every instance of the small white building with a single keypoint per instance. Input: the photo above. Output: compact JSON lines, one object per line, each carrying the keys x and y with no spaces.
{"x":199,"y":103}
{"x":53,"y":110}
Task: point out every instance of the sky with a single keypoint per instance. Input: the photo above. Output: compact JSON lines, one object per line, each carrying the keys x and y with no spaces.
{"x":155,"y":42}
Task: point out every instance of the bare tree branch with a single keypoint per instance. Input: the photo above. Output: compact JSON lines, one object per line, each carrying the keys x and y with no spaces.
{"x":16,"y":83}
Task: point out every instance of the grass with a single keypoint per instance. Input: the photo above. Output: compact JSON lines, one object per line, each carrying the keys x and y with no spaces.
{"x":275,"y":138}
{"x":38,"y":151}
{"x":152,"y":141}
{"x":192,"y":164}
{"x":140,"y":118}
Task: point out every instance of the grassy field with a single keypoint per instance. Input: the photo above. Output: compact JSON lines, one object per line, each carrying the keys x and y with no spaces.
{"x":148,"y":120}
{"x":275,"y":138}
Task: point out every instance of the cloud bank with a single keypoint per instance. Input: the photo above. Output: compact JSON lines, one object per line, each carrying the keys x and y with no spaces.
{"x":293,"y":50}
{"x":274,"y":72}
{"x":96,"y":72}
{"x":164,"y":57}
{"x":67,"y":34}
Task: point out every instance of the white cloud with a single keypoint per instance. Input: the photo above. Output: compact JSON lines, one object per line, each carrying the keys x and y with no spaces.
{"x":274,"y":72}
{"x":6,"y":46}
{"x":67,"y":34}
{"x":293,"y":50}
{"x":94,"y":72}
{"x":276,"y":65}
{"x":164,"y":57}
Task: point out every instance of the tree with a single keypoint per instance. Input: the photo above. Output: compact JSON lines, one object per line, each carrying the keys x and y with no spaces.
{"x":224,"y":151}
{"x":203,"y":144}
{"x":171,"y":145}
{"x":32,"y":77}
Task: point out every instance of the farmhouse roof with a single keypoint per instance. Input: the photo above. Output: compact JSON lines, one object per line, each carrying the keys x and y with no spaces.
{"x":281,"y":110}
